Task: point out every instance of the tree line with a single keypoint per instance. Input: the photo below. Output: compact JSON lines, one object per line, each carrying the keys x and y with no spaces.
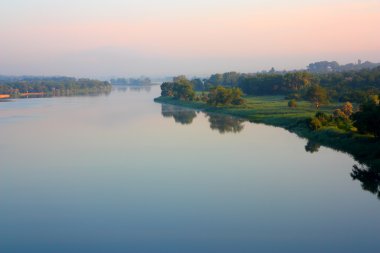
{"x":183,"y":89}
{"x":51,"y":85}
{"x":361,"y":87}
{"x":354,"y":85}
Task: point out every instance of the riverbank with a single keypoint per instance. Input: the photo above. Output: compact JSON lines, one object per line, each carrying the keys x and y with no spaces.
{"x":274,"y":111}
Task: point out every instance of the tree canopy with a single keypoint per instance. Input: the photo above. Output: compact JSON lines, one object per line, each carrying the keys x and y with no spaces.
{"x":367,"y":120}
{"x":317,"y":95}
{"x":181,"y":88}
{"x":225,"y":96}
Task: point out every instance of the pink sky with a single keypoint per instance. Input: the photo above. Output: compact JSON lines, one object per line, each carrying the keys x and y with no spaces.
{"x":280,"y":36}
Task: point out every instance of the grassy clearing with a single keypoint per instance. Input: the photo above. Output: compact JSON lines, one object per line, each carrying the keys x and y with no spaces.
{"x":274,"y":110}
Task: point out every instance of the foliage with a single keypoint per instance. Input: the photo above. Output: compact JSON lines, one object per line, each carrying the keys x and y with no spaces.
{"x":273,"y":110}
{"x":198,"y":84}
{"x":341,"y":120}
{"x":314,"y":123}
{"x":348,"y":109}
{"x":338,"y":119}
{"x":292,"y":103}
{"x":324,"y":118}
{"x":51,"y":85}
{"x":225,"y":96}
{"x":317,"y":95}
{"x":352,"y":83}
{"x":180,"y":88}
{"x":167,"y":89}
{"x":183,"y":91}
{"x":367,"y":120}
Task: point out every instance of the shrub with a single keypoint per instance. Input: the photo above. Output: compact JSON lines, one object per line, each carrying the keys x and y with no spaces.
{"x":323,"y":118}
{"x":292,"y":103}
{"x":314,"y":123}
{"x":225,"y":96}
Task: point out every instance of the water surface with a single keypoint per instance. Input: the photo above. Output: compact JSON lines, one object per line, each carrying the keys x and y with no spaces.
{"x":120,"y":173}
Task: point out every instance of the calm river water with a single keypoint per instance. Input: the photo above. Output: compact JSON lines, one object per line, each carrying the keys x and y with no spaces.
{"x":122,"y":174}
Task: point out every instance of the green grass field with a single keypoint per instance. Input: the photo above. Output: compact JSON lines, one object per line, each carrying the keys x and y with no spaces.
{"x":274,"y":110}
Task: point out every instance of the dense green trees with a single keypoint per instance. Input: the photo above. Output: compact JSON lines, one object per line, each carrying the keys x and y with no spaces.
{"x":180,"y":88}
{"x":353,"y":85}
{"x":295,"y":81}
{"x":340,"y":118}
{"x":367,"y":120}
{"x":262,"y":84}
{"x":317,"y":95}
{"x":225,"y":96}
{"x":167,"y":89}
{"x":198,"y":84}
{"x":51,"y":85}
{"x":318,"y":88}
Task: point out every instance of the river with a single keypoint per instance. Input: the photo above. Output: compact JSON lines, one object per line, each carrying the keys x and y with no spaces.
{"x":122,"y":174}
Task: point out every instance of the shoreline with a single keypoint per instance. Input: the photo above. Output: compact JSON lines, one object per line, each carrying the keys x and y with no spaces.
{"x":364,"y":149}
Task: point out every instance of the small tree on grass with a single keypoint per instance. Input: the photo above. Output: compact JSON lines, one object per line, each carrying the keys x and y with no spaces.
{"x":317,"y":95}
{"x":292,"y":103}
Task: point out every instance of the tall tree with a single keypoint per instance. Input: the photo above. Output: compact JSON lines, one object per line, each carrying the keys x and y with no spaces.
{"x":317,"y":95}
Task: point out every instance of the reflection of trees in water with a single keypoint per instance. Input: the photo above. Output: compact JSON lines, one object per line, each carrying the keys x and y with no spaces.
{"x":225,"y":123}
{"x":125,"y":88}
{"x":312,"y":146}
{"x":219,"y":122}
{"x":140,"y":88}
{"x":369,"y":177}
{"x":121,"y":88}
{"x":180,"y":115}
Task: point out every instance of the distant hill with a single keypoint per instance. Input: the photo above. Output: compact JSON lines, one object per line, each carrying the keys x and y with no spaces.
{"x":333,"y":66}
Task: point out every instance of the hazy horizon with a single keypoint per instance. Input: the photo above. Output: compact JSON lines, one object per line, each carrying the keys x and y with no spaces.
{"x":165,"y":38}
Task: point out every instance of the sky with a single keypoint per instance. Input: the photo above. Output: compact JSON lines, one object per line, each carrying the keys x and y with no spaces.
{"x":129,"y":38}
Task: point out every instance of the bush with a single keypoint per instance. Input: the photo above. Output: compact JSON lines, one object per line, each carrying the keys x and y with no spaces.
{"x":367,"y":120}
{"x":181,"y":89}
{"x":225,"y":96}
{"x":314,"y":123}
{"x":292,"y":103}
{"x":323,"y":118}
